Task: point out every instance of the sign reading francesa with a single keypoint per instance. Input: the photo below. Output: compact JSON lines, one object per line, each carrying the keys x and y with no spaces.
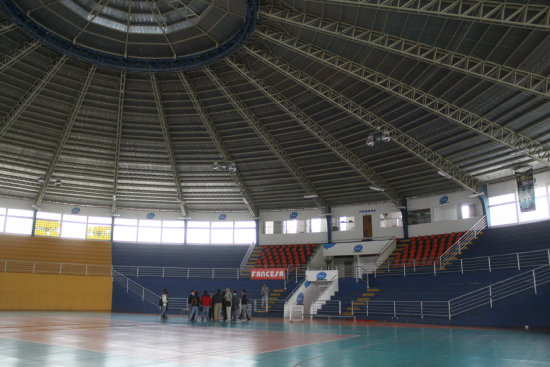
{"x":267,"y":273}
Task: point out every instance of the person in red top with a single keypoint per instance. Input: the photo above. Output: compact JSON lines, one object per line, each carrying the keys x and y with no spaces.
{"x":206,"y":302}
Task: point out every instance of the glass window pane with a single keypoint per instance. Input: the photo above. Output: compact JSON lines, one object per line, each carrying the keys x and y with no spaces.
{"x":2,"y":222}
{"x":149,"y":234}
{"x":223,"y":224}
{"x":20,"y":213}
{"x":291,"y":226}
{"x":222,"y":236}
{"x":197,"y":224}
{"x":173,"y":235}
{"x":246,"y":224}
{"x":198,"y":236}
{"x":98,"y":232}
{"x":48,"y":228}
{"x":173,"y":224}
{"x":150,"y":223}
{"x":19,"y":225}
{"x":126,"y":222}
{"x":100,"y":220}
{"x":501,"y":199}
{"x":465,"y":211}
{"x":45,"y":215}
{"x":74,"y":218}
{"x":268,"y":227}
{"x":125,"y":233}
{"x":503,"y":214}
{"x":2,"y":211}
{"x":73,"y":230}
{"x":245,"y":236}
{"x":316,"y":225}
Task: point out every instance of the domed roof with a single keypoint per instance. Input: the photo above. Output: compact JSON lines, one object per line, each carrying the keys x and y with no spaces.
{"x":147,"y":35}
{"x":195,"y":105}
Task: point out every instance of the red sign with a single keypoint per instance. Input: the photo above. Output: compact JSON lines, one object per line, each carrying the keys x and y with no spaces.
{"x":267,"y":273}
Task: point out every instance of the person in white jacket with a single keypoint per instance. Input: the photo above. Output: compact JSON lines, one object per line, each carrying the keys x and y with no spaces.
{"x":163,"y":305}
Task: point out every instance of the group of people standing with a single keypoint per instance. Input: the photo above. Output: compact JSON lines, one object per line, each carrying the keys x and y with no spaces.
{"x":219,"y":306}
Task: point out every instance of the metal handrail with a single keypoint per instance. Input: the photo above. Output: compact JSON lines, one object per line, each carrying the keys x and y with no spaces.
{"x":528,"y":280}
{"x":456,"y":248}
{"x":513,"y":260}
{"x":247,"y":256}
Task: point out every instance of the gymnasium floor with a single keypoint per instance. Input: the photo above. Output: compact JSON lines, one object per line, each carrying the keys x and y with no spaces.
{"x":101,"y":339}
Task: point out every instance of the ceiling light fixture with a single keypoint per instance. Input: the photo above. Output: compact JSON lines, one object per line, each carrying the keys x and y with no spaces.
{"x":444,"y":174}
{"x":476,"y":194}
{"x":376,"y":188}
{"x":58,"y":182}
{"x":224,"y":166}
{"x":379,"y":136}
{"x":310,"y":196}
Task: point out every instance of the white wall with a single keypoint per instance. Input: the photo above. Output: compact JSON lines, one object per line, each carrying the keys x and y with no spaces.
{"x":507,"y":187}
{"x":441,"y":213}
{"x":358,"y":211}
{"x":294,"y":237}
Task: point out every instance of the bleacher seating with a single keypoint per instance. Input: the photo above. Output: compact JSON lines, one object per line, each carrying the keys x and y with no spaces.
{"x":285,"y":255}
{"x":424,"y":249}
{"x":503,"y":240}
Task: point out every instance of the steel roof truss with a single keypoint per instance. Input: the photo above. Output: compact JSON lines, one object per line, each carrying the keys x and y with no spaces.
{"x":467,"y":119}
{"x":505,"y":75}
{"x":168,"y":144}
{"x":223,"y":151}
{"x":324,"y":137}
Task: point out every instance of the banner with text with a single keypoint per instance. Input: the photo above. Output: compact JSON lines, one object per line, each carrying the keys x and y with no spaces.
{"x":526,"y":190}
{"x":267,"y":274}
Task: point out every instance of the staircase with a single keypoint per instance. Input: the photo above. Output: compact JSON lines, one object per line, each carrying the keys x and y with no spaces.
{"x":351,"y":307}
{"x":388,"y":263}
{"x":252,"y":260}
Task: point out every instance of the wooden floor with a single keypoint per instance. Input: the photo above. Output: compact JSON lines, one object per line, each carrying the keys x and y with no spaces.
{"x":102,"y":339}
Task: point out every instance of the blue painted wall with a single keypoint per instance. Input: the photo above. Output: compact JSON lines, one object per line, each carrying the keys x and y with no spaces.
{"x":199,"y":256}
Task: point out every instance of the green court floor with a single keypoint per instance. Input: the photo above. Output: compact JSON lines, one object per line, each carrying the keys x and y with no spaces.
{"x":97,"y":339}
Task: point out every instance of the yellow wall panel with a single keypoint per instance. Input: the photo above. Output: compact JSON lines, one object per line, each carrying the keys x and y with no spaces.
{"x":55,"y":292}
{"x":56,"y":250}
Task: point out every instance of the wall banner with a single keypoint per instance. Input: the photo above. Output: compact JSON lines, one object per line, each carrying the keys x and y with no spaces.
{"x":526,"y":190}
{"x":267,"y":274}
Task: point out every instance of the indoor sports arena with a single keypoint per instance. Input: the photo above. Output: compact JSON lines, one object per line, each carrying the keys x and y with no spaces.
{"x":274,"y":183}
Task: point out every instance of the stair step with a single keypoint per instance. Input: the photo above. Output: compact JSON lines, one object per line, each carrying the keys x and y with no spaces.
{"x":363,"y":299}
{"x":374,"y":289}
{"x":368,"y":294}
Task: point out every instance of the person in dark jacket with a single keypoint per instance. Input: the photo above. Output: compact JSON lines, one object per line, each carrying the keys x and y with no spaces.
{"x":217,"y":301}
{"x":234,"y":306}
{"x":194,"y":306}
{"x":245,"y":312}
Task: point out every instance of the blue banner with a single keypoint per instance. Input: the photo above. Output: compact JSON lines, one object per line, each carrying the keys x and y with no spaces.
{"x":526,"y":190}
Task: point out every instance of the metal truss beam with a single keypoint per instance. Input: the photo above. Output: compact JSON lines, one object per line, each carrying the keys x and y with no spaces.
{"x":12,"y":57}
{"x":7,"y":27}
{"x":118,"y":138}
{"x":467,"y":119}
{"x":367,"y":118}
{"x":26,"y":100}
{"x":268,"y":139}
{"x":495,"y":12}
{"x":223,"y":151}
{"x":168,"y":144}
{"x":505,"y":75}
{"x":66,"y":133}
{"x":313,"y":128}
